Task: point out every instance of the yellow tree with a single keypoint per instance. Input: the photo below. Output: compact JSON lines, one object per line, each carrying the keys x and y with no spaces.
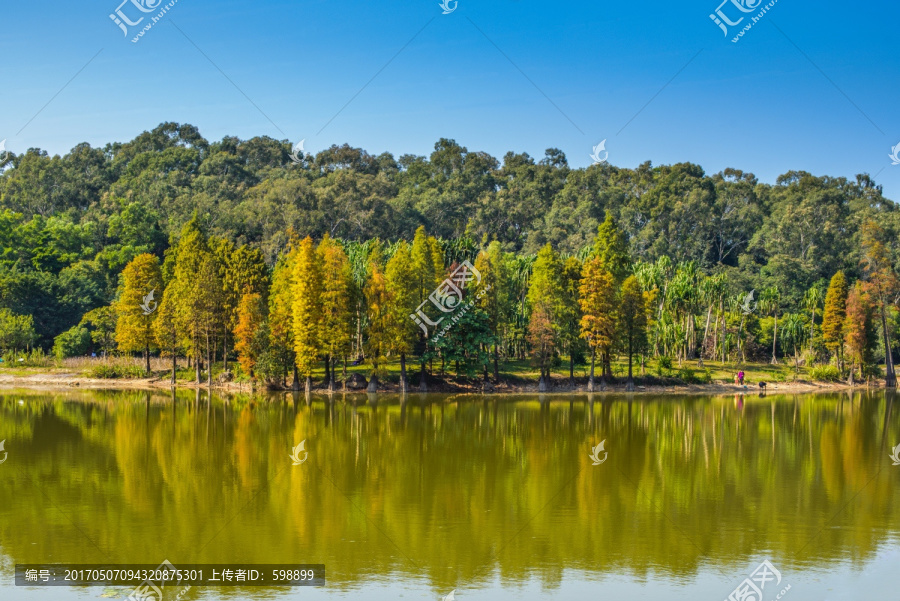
{"x":141,"y":286}
{"x":598,"y":324}
{"x":402,"y":288}
{"x":307,"y":309}
{"x":428,"y":264}
{"x":378,"y":314}
{"x":243,"y":271}
{"x":859,"y":330}
{"x":281,"y":318}
{"x":337,"y":323}
{"x":834,"y":315}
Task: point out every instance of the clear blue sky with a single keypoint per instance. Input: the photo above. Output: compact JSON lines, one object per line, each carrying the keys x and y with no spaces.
{"x":760,"y":105}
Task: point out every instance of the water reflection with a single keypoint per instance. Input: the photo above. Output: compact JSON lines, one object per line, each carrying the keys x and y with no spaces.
{"x":457,"y":490}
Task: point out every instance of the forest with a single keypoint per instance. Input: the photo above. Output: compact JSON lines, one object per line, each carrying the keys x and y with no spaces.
{"x":235,"y":253}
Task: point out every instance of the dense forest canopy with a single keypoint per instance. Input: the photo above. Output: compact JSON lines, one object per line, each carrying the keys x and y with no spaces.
{"x":70,"y":224}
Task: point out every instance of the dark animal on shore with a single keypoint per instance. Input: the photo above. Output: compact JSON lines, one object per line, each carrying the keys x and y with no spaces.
{"x":762,"y":385}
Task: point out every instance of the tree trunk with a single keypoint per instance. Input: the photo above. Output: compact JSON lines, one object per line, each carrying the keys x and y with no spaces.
{"x":208,"y":363}
{"x":147,"y":357}
{"x":423,"y":384}
{"x":174,"y":364}
{"x":328,"y":372}
{"x":403,"y":384}
{"x":197,"y":365}
{"x":225,"y":349}
{"x":295,"y":385}
{"x":344,"y":383}
{"x":591,"y":378}
{"x":890,"y":379}
{"x":308,"y":384}
{"x":775,"y":341}
{"x":571,"y":370}
{"x":629,"y":386}
{"x":496,"y":364}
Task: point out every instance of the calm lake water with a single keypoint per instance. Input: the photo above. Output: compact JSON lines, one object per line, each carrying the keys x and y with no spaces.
{"x":496,"y":497}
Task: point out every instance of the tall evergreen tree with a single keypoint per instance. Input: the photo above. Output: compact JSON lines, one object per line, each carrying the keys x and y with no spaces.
{"x":336,"y":298}
{"x":598,"y":306}
{"x":633,"y":322}
{"x":307,"y":309}
{"x":833,"y":317}
{"x":403,"y":292}
{"x":859,"y":330}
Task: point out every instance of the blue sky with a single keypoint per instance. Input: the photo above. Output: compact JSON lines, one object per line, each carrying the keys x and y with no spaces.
{"x":810,"y":87}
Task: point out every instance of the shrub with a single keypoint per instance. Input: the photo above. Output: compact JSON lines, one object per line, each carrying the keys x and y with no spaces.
{"x":663,"y":366}
{"x":825,"y":373}
{"x":111,"y":371}
{"x":706,"y":376}
{"x":74,"y":342}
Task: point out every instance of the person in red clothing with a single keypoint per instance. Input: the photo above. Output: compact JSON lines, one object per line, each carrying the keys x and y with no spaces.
{"x":741,"y":377}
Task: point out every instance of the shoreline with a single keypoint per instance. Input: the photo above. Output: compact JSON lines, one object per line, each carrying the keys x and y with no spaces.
{"x":559,"y":387}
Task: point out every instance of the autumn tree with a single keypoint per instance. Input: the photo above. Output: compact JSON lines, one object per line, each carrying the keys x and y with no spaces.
{"x":859,"y":330}
{"x":281,"y":318}
{"x":833,"y":317}
{"x":251,"y":314}
{"x":544,"y":299}
{"x":141,"y":286}
{"x":403,"y":294}
{"x":378,"y":313}
{"x":307,"y":309}
{"x":428,"y":265}
{"x":243,"y":271}
{"x":597,"y":297}
{"x":883,"y":285}
{"x":632,"y":321}
{"x":337,"y":324}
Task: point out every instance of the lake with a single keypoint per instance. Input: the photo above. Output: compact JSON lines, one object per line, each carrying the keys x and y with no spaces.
{"x":494,"y":497}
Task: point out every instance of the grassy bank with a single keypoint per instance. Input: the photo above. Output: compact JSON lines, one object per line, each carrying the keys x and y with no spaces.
{"x":513,"y":375}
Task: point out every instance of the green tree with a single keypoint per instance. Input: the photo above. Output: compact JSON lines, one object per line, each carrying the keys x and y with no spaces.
{"x":495,"y":299}
{"x":378,"y":313}
{"x":102,"y":324}
{"x":793,"y":336}
{"x":16,"y":331}
{"x":137,"y":304}
{"x":611,"y":248}
{"x":633,"y":322}
{"x":770,"y":304}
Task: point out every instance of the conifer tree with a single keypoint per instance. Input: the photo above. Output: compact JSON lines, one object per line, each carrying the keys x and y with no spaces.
{"x":633,"y":321}
{"x":495,"y":301}
{"x":137,"y":305}
{"x":307,"y":309}
{"x":544,"y":299}
{"x":611,"y":247}
{"x":165,"y":329}
{"x":859,"y":330}
{"x":281,"y":318}
{"x":403,"y":292}
{"x":250,"y":318}
{"x":378,"y":314}
{"x":834,"y":315}
{"x":597,"y":297}
{"x":337,"y":323}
